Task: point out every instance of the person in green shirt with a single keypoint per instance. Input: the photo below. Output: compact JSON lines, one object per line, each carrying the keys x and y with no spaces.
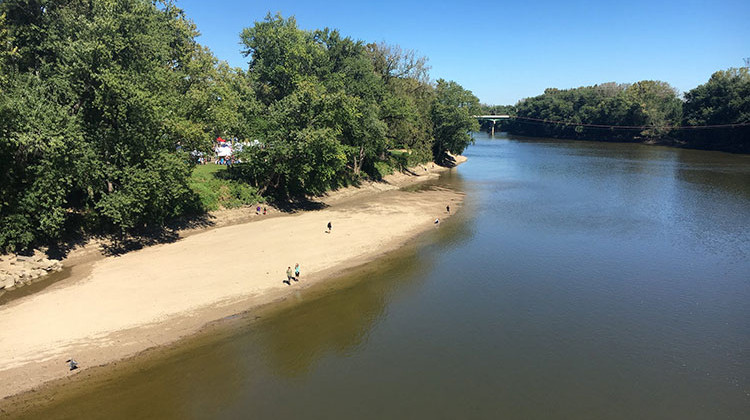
{"x":288,"y":275}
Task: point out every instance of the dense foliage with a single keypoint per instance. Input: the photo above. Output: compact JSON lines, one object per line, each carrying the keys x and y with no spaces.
{"x":100,"y":101}
{"x":643,"y":104}
{"x":724,"y":99}
{"x":452,"y":118}
{"x":335,"y":108}
{"x":90,"y":116}
{"x":644,"y":111}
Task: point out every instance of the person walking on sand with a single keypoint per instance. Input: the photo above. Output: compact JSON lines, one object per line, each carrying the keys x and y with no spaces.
{"x":296,"y":271}
{"x":289,"y":275}
{"x":264,"y":211}
{"x":329,"y":227}
{"x":257,"y":210}
{"x":448,"y":208}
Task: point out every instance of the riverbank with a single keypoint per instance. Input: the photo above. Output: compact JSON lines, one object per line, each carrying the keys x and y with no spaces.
{"x":674,"y":142}
{"x":116,"y":307}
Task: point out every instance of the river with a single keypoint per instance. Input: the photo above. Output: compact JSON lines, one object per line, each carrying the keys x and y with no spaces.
{"x":580,"y":280}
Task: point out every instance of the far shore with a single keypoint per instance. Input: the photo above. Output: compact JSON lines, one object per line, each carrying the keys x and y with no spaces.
{"x":113,"y":308}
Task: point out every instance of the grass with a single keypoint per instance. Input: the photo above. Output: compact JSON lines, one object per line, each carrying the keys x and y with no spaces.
{"x":218,"y":193}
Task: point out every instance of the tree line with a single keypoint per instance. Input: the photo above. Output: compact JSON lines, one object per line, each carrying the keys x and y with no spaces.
{"x":713,"y":116}
{"x":101,"y":102}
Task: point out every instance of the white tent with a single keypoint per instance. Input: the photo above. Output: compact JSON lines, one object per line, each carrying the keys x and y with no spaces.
{"x":224,"y":151}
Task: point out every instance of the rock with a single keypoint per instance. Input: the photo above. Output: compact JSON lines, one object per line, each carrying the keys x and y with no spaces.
{"x":23,"y":258}
{"x":48,"y":265}
{"x":7,"y":281}
{"x":35,"y":274}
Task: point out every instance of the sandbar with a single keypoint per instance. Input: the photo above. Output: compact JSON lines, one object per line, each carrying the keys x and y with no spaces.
{"x":116,"y":307}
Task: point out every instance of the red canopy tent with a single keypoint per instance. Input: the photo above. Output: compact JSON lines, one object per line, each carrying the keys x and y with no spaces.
{"x":219,"y":139}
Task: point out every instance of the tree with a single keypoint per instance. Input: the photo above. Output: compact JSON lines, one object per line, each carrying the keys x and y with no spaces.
{"x":393,"y":62}
{"x":7,"y":51}
{"x":452,"y":117}
{"x":584,"y":112}
{"x":724,"y":99}
{"x":101,"y":100}
{"x":39,"y":143}
{"x":92,"y":116}
{"x":281,"y":56}
{"x":656,"y":105}
{"x":319,"y":88}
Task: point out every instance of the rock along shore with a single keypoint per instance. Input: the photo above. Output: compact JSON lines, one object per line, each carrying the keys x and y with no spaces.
{"x":21,"y":270}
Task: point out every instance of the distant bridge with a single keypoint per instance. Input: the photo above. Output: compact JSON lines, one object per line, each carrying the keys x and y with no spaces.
{"x":493,"y":118}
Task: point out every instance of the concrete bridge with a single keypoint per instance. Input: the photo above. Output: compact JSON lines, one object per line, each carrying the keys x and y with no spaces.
{"x":493,"y":118}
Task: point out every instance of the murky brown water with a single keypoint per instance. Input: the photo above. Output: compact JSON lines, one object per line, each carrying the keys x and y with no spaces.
{"x":582,"y":280}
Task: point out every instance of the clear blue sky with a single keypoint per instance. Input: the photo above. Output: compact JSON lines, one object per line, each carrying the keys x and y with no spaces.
{"x":504,"y":51}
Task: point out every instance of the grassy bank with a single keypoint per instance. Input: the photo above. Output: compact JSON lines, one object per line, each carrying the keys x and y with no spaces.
{"x":217,"y":192}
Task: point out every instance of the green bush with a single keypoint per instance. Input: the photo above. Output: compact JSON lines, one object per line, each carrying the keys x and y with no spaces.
{"x":382,"y":169}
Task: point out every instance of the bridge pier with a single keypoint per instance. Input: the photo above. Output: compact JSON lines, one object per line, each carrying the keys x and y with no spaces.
{"x":493,"y":118}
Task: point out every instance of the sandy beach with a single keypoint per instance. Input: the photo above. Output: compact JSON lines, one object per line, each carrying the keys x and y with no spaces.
{"x":117,"y":307}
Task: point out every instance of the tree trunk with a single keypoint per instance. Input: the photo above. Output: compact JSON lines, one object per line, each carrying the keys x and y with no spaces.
{"x":359,"y":159}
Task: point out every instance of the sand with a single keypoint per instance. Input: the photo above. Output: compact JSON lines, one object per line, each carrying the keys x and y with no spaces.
{"x":117,"y":307}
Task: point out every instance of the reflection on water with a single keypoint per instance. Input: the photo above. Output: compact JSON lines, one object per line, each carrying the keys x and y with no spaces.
{"x":580,"y":280}
{"x":337,"y":323}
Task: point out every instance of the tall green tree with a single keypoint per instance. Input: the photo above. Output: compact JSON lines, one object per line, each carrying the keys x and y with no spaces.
{"x":302,"y":151}
{"x":93,"y":116}
{"x":406,"y":99}
{"x":452,"y":117}
{"x":280,"y":56}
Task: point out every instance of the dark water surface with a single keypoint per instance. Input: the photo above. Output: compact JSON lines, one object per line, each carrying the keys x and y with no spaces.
{"x":580,"y":281}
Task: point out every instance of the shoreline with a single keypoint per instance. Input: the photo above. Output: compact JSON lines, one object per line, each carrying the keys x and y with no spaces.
{"x":670,"y":143}
{"x":121,"y":307}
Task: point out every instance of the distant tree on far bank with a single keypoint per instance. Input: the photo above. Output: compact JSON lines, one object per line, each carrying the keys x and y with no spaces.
{"x":654,"y":105}
{"x":649,"y":107}
{"x":724,"y":99}
{"x":645,"y":111}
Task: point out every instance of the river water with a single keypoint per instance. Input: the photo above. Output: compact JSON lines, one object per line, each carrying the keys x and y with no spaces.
{"x":580,"y":280}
